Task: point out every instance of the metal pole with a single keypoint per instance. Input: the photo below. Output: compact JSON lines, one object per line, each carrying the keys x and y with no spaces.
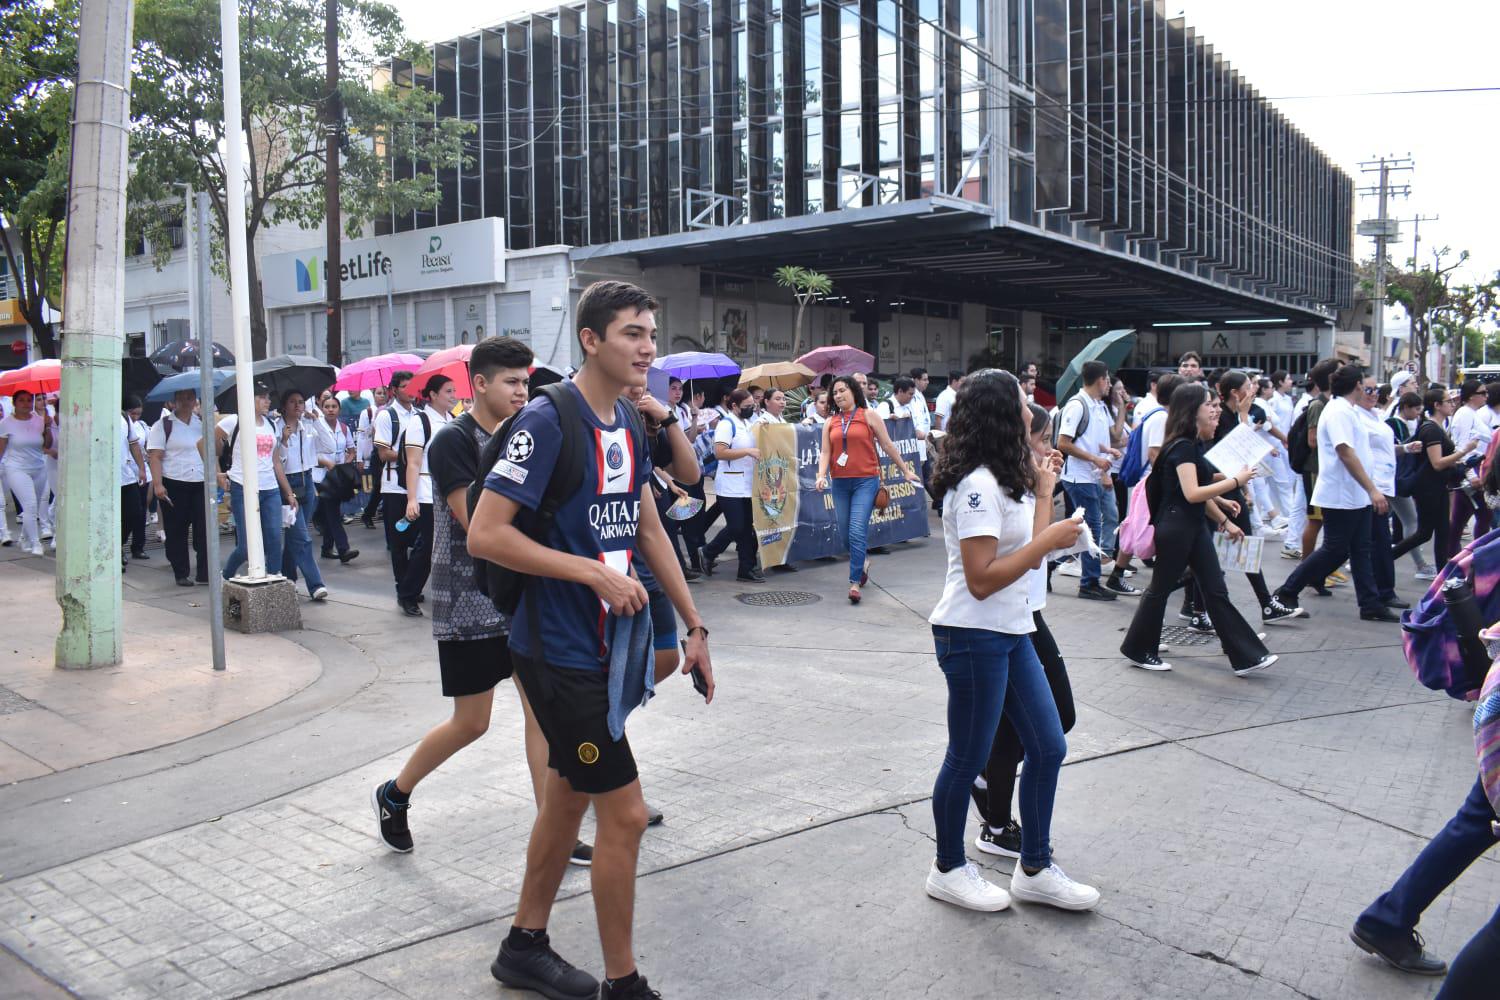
{"x":207,"y":414}
{"x":234,"y":197}
{"x":1377,"y":338}
{"x":333,"y":126}
{"x":93,"y":344}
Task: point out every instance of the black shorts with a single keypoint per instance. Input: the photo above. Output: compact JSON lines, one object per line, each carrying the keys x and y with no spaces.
{"x":573,"y":713}
{"x":473,"y":666}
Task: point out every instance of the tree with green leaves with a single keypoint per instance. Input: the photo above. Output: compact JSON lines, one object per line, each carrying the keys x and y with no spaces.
{"x":178,"y":112}
{"x":38,"y":62}
{"x":807,"y":286}
{"x":1422,"y":291}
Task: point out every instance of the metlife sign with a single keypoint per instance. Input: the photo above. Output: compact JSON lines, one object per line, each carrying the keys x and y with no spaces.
{"x":468,"y":253}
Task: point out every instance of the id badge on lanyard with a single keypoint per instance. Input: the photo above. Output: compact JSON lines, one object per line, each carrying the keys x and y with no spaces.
{"x":843,"y":458}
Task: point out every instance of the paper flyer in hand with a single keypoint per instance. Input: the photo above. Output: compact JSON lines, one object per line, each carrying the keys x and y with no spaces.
{"x":1242,"y":556}
{"x":1240,"y":447}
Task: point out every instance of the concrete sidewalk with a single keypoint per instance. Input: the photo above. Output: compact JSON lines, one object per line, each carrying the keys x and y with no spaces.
{"x":1234,"y":825}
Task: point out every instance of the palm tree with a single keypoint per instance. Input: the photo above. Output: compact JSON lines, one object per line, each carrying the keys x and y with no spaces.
{"x":807,"y":287}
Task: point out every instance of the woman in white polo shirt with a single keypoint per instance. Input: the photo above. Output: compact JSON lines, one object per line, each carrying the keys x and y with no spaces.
{"x":734,"y":444}
{"x":995,"y":533}
{"x":25,"y":436}
{"x":174,"y":450}
{"x":270,"y":484}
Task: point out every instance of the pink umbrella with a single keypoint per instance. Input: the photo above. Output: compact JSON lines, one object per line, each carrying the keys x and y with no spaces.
{"x":37,"y":377}
{"x":837,"y":360}
{"x":450,"y":361}
{"x":372,"y":373}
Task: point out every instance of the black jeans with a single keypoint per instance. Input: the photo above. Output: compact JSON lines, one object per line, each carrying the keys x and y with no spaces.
{"x":183,"y":512}
{"x":376,"y":499}
{"x":330,"y":524}
{"x":1184,"y":542}
{"x":739,"y":528}
{"x":1432,"y":522}
{"x":412,"y":579}
{"x":398,"y":543}
{"x":1007,"y":750}
{"x":132,"y":517}
{"x":1346,"y":535}
{"x":1382,"y":558}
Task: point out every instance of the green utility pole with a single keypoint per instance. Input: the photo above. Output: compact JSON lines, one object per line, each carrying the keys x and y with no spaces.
{"x":93,"y":343}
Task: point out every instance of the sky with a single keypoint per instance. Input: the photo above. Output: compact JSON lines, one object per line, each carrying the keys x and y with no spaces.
{"x":1322,"y":63}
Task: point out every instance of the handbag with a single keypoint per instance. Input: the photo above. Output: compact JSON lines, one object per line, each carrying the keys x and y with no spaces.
{"x":882,"y":498}
{"x":1137,"y":535}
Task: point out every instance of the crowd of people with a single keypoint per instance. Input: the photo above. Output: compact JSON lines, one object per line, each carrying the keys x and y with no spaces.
{"x":543,"y":524}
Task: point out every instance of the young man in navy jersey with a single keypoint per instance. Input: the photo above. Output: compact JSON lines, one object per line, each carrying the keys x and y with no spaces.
{"x":582,"y":576}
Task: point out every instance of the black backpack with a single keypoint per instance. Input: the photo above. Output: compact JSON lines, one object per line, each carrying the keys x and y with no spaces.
{"x":504,"y":586}
{"x":400,"y":462}
{"x":226,"y":455}
{"x":1298,"y":451}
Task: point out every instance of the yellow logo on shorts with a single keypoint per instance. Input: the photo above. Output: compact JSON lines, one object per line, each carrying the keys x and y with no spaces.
{"x":588,"y":753}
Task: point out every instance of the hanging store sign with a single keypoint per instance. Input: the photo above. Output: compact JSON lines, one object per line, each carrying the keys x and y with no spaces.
{"x":468,"y":253}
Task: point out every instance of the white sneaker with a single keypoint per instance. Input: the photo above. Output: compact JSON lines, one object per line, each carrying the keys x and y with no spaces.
{"x":964,"y":886}
{"x":1053,"y":887}
{"x":1260,"y":664}
{"x":321,"y":594}
{"x":35,"y":550}
{"x":46,"y":534}
{"x":1425,"y":574}
{"x":1071,"y":568}
{"x":1290,"y":553}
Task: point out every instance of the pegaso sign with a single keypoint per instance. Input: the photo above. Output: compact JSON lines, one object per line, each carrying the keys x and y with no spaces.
{"x":469,"y":253}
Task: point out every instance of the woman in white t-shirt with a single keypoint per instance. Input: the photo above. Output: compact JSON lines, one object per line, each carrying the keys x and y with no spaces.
{"x":25,"y":439}
{"x":270,"y":483}
{"x":995,"y":533}
{"x":734,"y":445}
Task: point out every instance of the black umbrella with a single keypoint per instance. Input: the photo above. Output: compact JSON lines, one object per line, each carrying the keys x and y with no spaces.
{"x":308,"y":376}
{"x":544,"y":374}
{"x":181,"y":354}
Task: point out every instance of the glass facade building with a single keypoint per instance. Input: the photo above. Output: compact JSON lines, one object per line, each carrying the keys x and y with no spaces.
{"x":1096,"y":159}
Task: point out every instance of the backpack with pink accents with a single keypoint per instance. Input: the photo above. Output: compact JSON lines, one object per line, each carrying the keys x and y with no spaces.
{"x":1441,"y":634}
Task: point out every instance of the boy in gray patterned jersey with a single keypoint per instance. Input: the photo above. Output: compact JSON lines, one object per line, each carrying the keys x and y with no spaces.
{"x":473,"y":653}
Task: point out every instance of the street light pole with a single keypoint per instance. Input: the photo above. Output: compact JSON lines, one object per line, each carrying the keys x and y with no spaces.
{"x":93,"y":343}
{"x":210,"y":420}
{"x":239,"y":288}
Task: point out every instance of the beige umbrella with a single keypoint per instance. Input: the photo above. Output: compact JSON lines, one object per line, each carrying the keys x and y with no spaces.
{"x":777,"y":375}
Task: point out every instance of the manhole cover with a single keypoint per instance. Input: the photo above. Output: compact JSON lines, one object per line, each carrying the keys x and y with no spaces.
{"x":1181,"y":635}
{"x":778,"y":598}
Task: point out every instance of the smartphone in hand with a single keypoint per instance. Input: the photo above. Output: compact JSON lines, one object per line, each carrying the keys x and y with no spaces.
{"x":700,"y":683}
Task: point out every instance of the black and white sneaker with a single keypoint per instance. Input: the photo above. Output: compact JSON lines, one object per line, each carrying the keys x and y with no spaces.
{"x":980,"y":795}
{"x":544,"y":971}
{"x":1201,"y":624}
{"x":1276,"y":612}
{"x":1005,"y":842}
{"x":653,"y":815}
{"x":391,"y":819}
{"x":582,"y":856}
{"x":1150,"y":662}
{"x":1117,"y":585}
{"x":638,"y":990}
{"x":1260,"y":664}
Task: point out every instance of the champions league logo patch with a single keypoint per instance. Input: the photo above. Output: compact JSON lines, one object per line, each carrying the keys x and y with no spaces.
{"x":520,"y":446}
{"x":614,"y":457}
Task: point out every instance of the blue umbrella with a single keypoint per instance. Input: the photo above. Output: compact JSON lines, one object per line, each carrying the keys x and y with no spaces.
{"x":189,"y":380}
{"x":1111,"y":348}
{"x":697,"y":364}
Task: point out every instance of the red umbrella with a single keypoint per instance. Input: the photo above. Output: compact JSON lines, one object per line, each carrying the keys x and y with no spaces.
{"x":837,"y":360}
{"x":37,"y":377}
{"x":452,"y":362}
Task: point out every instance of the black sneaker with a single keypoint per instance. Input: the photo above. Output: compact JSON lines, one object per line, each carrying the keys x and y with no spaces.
{"x":653,"y":815}
{"x":1117,"y":585}
{"x":1094,"y":592}
{"x":1276,"y":612}
{"x":1406,"y":954}
{"x":185,"y":581}
{"x":348,"y":556}
{"x":1381,"y":614}
{"x":544,"y":971}
{"x":325,"y":554}
{"x":639,"y":990}
{"x":582,"y":856}
{"x":691,"y":575}
{"x":139,"y":555}
{"x":391,"y":818}
{"x":1397,"y":604}
{"x":981,"y":797}
{"x":409,"y":608}
{"x":709,"y":562}
{"x":754,"y":576}
{"x":1006,"y":841}
{"x":1202,"y":625}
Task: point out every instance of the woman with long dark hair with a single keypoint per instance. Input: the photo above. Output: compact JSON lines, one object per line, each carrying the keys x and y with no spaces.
{"x":1183,"y":489}
{"x":995,"y":534}
{"x":1430,"y":492}
{"x":849,"y":439}
{"x":993,"y":791}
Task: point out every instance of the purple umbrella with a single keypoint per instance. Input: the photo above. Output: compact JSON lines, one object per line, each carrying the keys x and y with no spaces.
{"x":697,"y":364}
{"x":837,"y":360}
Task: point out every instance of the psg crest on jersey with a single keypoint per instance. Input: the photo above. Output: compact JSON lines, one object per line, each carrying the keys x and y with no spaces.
{"x":614,"y":457}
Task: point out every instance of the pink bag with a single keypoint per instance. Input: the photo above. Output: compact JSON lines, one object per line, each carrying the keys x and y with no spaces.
{"x":1137,"y":535}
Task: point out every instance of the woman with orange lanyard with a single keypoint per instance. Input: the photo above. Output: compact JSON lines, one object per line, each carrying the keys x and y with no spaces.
{"x":849,"y":438}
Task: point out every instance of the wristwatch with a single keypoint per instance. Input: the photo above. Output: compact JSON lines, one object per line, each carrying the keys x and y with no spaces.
{"x":699,"y":628}
{"x":668,"y":420}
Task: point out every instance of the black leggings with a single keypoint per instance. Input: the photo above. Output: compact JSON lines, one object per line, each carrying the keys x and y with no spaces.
{"x":1006,"y":752}
{"x":1432,"y":522}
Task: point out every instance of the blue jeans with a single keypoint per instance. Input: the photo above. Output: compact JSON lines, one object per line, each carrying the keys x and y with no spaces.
{"x":298,"y":552}
{"x":853,"y":500}
{"x":270,"y":529}
{"x":981,"y":667}
{"x":1468,"y":834}
{"x":1109,"y":516}
{"x":1089,"y":496}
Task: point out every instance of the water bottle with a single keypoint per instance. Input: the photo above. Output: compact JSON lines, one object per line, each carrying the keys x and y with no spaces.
{"x":1463,"y":611}
{"x":403,"y":524}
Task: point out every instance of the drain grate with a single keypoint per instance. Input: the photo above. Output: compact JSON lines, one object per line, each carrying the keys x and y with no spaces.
{"x":778,"y":598}
{"x":1181,"y":635}
{"x":10,"y":702}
